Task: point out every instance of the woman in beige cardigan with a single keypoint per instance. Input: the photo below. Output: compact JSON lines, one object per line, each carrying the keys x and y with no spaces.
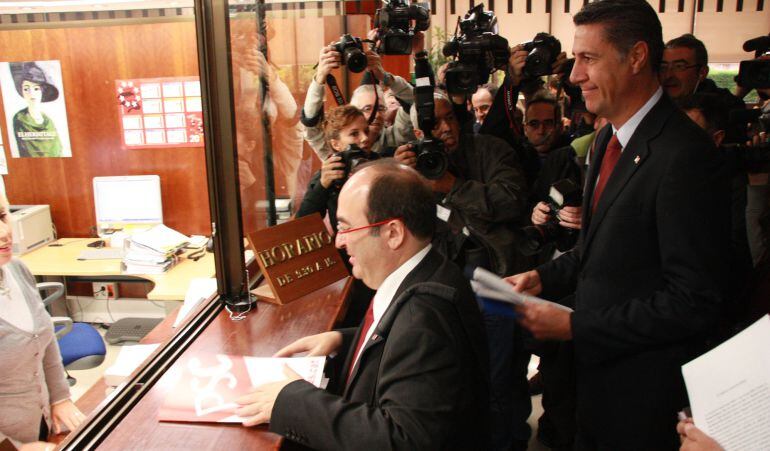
{"x":34,"y":395}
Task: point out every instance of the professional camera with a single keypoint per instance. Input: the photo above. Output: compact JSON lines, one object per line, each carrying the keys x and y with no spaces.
{"x":751,"y":159}
{"x":755,"y":73}
{"x":351,"y":50}
{"x":564,"y":193}
{"x":543,"y":51}
{"x":479,"y":51}
{"x":432,"y":161}
{"x":352,"y":156}
{"x":393,"y":22}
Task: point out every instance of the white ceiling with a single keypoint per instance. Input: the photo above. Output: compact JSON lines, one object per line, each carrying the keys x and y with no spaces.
{"x":37,"y":6}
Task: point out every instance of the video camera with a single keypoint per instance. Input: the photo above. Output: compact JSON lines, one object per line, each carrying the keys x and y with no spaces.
{"x":432,"y":159}
{"x":564,"y":193}
{"x":479,"y":51}
{"x":395,"y":32}
{"x":352,"y":156}
{"x":351,"y":50}
{"x":751,"y":159}
{"x":543,"y":51}
{"x":755,"y":74}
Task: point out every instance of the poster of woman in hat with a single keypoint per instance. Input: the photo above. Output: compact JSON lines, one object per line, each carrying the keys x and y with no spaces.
{"x":34,"y":109}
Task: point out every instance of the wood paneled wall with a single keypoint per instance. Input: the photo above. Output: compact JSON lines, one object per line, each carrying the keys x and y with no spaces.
{"x":92,"y":59}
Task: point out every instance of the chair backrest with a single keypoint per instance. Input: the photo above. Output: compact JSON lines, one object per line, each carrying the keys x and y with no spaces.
{"x":52,"y":291}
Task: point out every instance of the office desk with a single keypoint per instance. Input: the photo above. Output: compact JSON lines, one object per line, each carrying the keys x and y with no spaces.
{"x":62,"y":261}
{"x":261,"y":333}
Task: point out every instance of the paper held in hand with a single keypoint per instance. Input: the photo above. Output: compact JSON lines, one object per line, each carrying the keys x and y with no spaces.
{"x":488,"y":285}
{"x":729,"y":389}
{"x":204,"y":388}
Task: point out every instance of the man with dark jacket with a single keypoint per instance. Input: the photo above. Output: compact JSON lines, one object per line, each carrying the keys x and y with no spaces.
{"x":648,"y":271}
{"x":415,"y":373}
{"x":683,"y":72}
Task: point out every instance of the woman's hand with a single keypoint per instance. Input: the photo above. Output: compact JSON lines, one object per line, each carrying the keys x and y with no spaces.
{"x":66,"y":416}
{"x":328,"y":59}
{"x":333,"y":169}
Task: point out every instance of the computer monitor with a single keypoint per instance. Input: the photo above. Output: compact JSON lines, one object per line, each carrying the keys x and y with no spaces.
{"x":127,"y":201}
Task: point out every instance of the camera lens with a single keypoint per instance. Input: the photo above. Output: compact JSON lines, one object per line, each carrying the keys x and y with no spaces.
{"x":432,"y":164}
{"x":355,"y":59}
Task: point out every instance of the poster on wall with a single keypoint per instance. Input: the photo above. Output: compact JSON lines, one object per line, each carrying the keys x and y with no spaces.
{"x":160,"y":112}
{"x":33,"y":99}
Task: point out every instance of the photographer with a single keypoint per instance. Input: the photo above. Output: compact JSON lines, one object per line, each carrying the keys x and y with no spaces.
{"x":500,"y":120}
{"x":683,"y":73}
{"x":364,"y":98}
{"x":343,"y":127}
{"x":483,"y":197}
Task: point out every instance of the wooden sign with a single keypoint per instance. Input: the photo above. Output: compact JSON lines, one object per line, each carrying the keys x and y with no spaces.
{"x":296,"y":257}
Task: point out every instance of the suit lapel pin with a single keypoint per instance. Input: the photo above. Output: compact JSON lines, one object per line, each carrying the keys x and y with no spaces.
{"x":637,"y":159}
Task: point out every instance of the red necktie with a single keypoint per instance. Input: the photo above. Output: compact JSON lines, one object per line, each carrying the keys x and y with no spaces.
{"x":368,"y":320}
{"x":611,"y":156}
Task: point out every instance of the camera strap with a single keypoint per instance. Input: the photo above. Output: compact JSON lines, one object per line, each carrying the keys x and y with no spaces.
{"x":340,"y":99}
{"x":510,"y":108}
{"x":335,"y":89}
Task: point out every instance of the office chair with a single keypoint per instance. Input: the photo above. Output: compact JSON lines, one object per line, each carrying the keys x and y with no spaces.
{"x":81,"y":345}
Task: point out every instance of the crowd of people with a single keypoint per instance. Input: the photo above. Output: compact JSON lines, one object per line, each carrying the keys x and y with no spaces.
{"x":624,"y":202}
{"x":627,"y":202}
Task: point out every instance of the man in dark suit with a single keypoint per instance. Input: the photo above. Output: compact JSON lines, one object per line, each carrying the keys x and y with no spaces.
{"x":415,"y":374}
{"x":647,"y":273}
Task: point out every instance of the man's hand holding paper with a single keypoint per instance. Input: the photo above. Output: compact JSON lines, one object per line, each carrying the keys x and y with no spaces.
{"x":546,"y":321}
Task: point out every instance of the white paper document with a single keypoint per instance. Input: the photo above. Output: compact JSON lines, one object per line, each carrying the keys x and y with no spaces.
{"x":198,"y":291}
{"x":487,"y":284}
{"x":729,"y":389}
{"x":129,"y":359}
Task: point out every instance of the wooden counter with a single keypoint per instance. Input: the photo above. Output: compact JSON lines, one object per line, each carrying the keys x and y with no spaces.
{"x":261,"y":334}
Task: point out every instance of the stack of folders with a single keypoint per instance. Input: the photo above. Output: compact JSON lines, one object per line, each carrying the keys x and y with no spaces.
{"x":153,"y":251}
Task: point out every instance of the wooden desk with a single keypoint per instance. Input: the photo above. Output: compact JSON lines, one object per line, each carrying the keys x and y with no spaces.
{"x":262,"y":333}
{"x":63,"y":261}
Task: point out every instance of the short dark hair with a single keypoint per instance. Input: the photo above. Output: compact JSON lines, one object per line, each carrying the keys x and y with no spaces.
{"x":544,"y":96}
{"x":689,"y":41}
{"x":714,"y":110}
{"x":398,"y":191}
{"x":626,"y":22}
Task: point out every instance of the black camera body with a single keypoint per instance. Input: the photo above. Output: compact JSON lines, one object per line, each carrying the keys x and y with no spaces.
{"x":351,"y":50}
{"x":432,"y":161}
{"x":393,"y":22}
{"x":564,"y":193}
{"x":543,"y":51}
{"x":353,"y":156}
{"x":479,"y":51}
{"x":743,"y":158}
{"x":755,"y":74}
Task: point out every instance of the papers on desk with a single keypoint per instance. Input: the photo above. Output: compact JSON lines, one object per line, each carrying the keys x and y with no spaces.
{"x":488,"y":285}
{"x":153,"y":251}
{"x":101,"y":254}
{"x":729,"y":389}
{"x":160,"y":239}
{"x":198,"y":291}
{"x":128,"y":360}
{"x":205,"y":388}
